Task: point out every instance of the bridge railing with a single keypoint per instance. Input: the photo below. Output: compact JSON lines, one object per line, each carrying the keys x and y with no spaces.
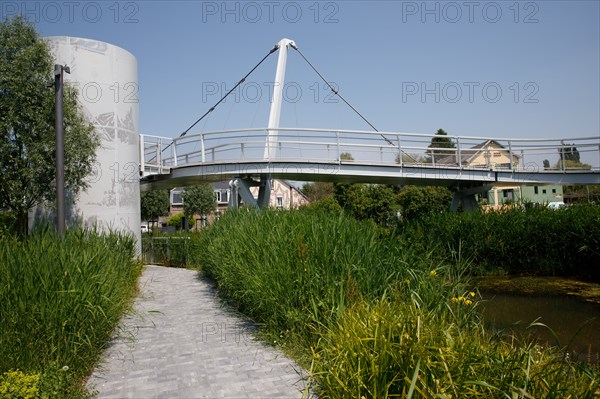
{"x":159,"y":154}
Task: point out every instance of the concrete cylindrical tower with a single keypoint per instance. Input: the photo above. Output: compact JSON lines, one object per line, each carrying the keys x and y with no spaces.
{"x":106,"y":78}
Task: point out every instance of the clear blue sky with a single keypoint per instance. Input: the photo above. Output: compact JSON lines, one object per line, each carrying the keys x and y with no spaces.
{"x":544,"y":57}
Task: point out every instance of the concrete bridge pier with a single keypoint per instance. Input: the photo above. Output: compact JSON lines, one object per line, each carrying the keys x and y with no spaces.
{"x":240,"y":191}
{"x":466,"y":198}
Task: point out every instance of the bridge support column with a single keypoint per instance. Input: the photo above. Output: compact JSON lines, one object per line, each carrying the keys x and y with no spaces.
{"x":264,"y":191}
{"x":466,"y":198}
{"x":240,"y":190}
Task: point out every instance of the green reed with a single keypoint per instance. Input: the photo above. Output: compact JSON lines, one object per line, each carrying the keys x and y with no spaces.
{"x":61,"y":298}
{"x":372,"y":314}
{"x":537,"y":241}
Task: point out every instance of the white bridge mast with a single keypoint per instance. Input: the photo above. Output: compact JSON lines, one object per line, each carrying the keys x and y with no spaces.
{"x":240,"y":187}
{"x":275,"y":114}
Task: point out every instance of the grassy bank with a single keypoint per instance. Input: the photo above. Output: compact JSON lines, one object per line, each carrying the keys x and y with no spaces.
{"x":60,"y":299}
{"x":535,"y":241}
{"x":373,"y":314}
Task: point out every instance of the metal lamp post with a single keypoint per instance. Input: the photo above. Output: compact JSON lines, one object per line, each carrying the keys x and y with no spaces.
{"x":60,"y":147}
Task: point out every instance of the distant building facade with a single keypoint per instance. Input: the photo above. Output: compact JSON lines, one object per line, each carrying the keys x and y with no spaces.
{"x":283,"y":196}
{"x":493,"y":155}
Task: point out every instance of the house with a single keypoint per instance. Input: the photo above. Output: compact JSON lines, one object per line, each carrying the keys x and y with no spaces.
{"x":505,"y":194}
{"x":283,"y":196}
{"x":489,"y":154}
{"x":493,"y":155}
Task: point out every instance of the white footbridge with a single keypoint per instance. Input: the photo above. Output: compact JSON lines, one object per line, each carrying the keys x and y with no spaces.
{"x":253,"y":157}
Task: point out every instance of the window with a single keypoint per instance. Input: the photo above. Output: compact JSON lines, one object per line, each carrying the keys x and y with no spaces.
{"x":222,"y":196}
{"x":496,"y":154}
{"x":553,"y":191}
{"x":509,"y":195}
{"x":176,"y":198}
{"x":279,"y":202}
{"x":536,"y":190}
{"x":544,"y":191}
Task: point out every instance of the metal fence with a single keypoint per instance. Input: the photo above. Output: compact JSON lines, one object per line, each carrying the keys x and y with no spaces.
{"x":170,"y":251}
{"x":159,"y":154}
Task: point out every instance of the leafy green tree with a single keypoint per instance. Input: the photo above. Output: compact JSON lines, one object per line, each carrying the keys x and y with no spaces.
{"x":411,"y":158}
{"x":546,"y":164}
{"x":198,"y":200}
{"x":154,"y":203}
{"x":175,"y":221}
{"x":367,"y":201}
{"x":583,"y":193}
{"x":569,"y":154}
{"x":372,"y":201}
{"x":417,"y":201}
{"x":437,"y":148}
{"x":27,"y":134}
{"x":317,"y":190}
{"x":326,"y":203}
{"x":571,"y":158}
{"x":346,"y":156}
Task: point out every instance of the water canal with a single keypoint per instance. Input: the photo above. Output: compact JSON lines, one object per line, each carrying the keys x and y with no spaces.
{"x":570,"y":310}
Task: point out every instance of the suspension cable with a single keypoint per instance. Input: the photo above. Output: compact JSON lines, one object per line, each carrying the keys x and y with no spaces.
{"x":211,"y":109}
{"x":336,"y":92}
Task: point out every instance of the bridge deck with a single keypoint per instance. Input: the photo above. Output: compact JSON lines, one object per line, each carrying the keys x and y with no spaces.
{"x":370,"y":157}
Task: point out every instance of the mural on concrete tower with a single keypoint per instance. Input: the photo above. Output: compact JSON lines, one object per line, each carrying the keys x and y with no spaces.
{"x":106,"y":79}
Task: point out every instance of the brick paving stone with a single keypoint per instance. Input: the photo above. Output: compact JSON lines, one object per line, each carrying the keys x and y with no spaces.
{"x":181,"y":342}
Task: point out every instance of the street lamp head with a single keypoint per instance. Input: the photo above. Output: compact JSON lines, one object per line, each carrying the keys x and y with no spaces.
{"x":59,"y":69}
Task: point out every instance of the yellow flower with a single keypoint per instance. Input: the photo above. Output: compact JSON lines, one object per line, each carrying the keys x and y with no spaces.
{"x":454,"y":300}
{"x":461,"y":298}
{"x":433,"y":272}
{"x":472,"y":294}
{"x":407,"y":281}
{"x":468,"y":302}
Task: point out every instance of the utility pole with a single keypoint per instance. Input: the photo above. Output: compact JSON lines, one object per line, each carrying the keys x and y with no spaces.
{"x":60,"y":147}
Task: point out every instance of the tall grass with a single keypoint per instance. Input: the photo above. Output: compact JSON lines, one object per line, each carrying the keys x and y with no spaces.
{"x":287,"y":268}
{"x":536,"y":241}
{"x":60,"y":298}
{"x":373,"y":315}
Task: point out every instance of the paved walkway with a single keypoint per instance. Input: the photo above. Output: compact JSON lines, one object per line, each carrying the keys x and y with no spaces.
{"x":180,"y":342}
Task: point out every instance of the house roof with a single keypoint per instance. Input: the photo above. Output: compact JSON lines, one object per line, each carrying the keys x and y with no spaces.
{"x":467,"y":156}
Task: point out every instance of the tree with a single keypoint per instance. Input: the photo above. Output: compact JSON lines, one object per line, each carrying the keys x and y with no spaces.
{"x":198,"y":200}
{"x":27,"y":134}
{"x":416,"y":201}
{"x":411,"y":158}
{"x":546,"y":164}
{"x":326,"y":203}
{"x":372,"y":201}
{"x":569,"y":154}
{"x":437,"y":148}
{"x":569,"y":158}
{"x":346,"y":156}
{"x":367,"y":201}
{"x":154,"y":203}
{"x":317,"y":190}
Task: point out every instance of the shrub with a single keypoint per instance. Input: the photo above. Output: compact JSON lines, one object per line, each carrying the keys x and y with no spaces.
{"x":175,"y":220}
{"x":18,"y":385}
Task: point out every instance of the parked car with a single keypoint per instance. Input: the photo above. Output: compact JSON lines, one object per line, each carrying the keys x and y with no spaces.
{"x":556,"y":205}
{"x":146,"y":229}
